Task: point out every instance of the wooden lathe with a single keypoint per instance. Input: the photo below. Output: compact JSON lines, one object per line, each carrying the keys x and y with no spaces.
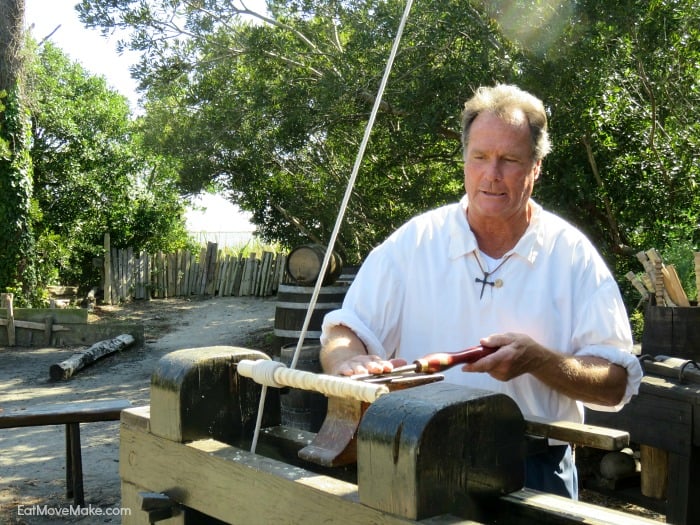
{"x":435,"y":453}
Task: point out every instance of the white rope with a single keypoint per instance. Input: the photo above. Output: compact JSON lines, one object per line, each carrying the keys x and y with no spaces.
{"x":341,"y":212}
{"x":277,"y":375}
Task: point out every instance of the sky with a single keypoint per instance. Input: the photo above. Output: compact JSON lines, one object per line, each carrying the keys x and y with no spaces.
{"x":98,"y":55}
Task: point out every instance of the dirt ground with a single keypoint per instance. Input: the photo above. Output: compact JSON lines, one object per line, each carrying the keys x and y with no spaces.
{"x":32,"y":459}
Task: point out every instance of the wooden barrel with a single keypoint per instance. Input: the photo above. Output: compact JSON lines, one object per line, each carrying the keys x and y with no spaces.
{"x":300,"y":408}
{"x":304,"y":265}
{"x":672,"y":331}
{"x":292,"y":304}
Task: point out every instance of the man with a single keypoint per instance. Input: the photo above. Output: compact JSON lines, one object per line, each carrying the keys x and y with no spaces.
{"x":496,"y":269}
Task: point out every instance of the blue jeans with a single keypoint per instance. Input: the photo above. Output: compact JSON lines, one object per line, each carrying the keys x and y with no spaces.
{"x":553,"y":471}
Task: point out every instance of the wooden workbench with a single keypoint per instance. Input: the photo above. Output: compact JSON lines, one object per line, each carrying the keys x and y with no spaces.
{"x":666,"y":415}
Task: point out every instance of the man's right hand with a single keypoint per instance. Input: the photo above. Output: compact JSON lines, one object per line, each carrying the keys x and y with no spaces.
{"x":345,"y":354}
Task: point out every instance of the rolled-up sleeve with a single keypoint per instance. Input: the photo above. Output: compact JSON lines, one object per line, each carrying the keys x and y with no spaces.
{"x":603,"y":331}
{"x":372,"y":306}
{"x":626,"y":360}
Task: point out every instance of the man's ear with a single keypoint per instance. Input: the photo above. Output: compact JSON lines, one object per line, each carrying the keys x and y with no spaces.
{"x":538,"y":169}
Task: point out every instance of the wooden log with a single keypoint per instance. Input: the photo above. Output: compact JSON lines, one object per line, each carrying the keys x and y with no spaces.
{"x":78,"y":361}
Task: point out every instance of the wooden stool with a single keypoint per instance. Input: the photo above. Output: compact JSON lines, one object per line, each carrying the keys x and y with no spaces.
{"x":70,"y":414}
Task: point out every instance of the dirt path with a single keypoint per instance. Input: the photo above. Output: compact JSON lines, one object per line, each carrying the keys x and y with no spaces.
{"x":32,"y":459}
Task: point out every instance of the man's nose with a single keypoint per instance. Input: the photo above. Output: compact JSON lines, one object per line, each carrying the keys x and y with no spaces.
{"x":493,"y":170}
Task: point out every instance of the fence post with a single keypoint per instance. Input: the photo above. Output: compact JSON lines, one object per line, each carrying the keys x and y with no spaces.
{"x":107,"y":285}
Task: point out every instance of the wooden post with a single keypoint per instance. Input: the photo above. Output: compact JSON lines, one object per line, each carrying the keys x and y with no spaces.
{"x":7,"y":300}
{"x":697,"y":274}
{"x":654,"y":474}
{"x":48,"y":329}
{"x":107,"y":286}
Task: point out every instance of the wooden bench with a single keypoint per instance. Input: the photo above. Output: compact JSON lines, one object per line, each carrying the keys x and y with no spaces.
{"x":71,"y":415}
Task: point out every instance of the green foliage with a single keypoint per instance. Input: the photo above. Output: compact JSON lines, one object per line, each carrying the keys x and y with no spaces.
{"x":274,"y":111}
{"x":637,"y":325}
{"x":17,"y":273}
{"x":92,"y":174}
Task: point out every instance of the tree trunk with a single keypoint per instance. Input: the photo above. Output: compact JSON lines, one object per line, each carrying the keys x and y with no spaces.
{"x":11,"y":42}
{"x":17,"y":266}
{"x":76,"y":362}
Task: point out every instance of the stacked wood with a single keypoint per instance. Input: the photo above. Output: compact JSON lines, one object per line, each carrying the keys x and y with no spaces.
{"x":659,"y":279}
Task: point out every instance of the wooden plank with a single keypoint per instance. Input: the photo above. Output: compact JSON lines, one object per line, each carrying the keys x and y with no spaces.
{"x":577,"y":433}
{"x":59,"y":414}
{"x":229,"y":483}
{"x":130,"y":273}
{"x":38,"y":315}
{"x":172,"y":275}
{"x":236,"y":278}
{"x":107,"y":269}
{"x":210,"y":272}
{"x":36,"y":326}
{"x":115,"y":276}
{"x":124,"y":294}
{"x":530,"y":507}
{"x":146,"y":275}
{"x":58,"y":291}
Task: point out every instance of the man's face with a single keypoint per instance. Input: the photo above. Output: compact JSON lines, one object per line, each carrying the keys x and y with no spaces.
{"x":499,"y":168}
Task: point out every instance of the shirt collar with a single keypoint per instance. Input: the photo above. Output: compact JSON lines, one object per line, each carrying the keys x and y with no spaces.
{"x":463,"y":241}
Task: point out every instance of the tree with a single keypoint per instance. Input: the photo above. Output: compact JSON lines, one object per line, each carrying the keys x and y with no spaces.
{"x":92,"y":174}
{"x":16,"y":258}
{"x":274,"y":111}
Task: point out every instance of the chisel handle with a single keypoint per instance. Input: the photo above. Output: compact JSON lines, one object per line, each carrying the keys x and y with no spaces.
{"x":440,"y":361}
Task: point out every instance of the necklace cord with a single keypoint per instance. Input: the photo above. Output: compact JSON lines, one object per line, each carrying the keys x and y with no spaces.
{"x":341,"y":214}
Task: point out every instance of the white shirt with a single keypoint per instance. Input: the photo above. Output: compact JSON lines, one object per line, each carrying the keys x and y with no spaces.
{"x":416,"y":294}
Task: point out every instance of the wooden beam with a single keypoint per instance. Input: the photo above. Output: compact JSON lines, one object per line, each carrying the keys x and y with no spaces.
{"x":580,"y":434}
{"x":530,"y":507}
{"x":230,"y":484}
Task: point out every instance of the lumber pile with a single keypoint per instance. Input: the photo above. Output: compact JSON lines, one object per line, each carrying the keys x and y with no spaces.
{"x":660,"y":283}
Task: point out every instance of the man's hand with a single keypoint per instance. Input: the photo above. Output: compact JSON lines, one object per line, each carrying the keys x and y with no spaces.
{"x":517,"y":354}
{"x":587,"y":378}
{"x":367,"y":364}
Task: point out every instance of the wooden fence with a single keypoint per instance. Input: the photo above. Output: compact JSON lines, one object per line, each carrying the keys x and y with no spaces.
{"x":130,"y":275}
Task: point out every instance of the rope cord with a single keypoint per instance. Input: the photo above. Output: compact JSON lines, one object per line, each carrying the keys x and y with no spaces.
{"x":341,"y":212}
